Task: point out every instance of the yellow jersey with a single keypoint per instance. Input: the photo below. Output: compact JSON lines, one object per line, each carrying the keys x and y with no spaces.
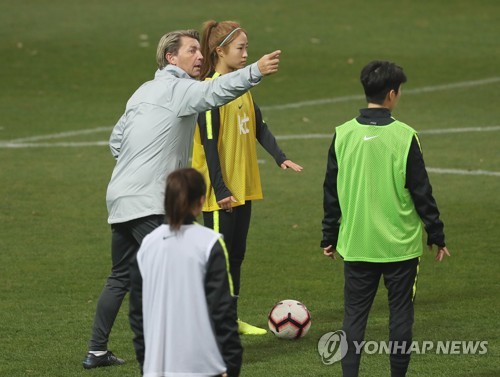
{"x":225,"y":152}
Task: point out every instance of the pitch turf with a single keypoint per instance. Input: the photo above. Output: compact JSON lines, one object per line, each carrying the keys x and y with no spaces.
{"x":67,"y":69}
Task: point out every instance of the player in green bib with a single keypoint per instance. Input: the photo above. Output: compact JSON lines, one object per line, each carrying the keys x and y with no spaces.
{"x":377,"y":194}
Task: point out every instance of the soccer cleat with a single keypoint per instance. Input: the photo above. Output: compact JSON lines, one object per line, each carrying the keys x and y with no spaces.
{"x":247,"y":329}
{"x":106,"y":360}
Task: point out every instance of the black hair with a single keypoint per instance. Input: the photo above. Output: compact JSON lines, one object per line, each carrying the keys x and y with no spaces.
{"x":379,"y":78}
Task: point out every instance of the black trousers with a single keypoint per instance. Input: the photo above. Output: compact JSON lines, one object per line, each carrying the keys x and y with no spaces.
{"x":234,"y":227}
{"x":361,"y":281}
{"x":126,"y":239}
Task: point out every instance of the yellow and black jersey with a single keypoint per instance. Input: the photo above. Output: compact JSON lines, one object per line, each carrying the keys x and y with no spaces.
{"x":225,"y":151}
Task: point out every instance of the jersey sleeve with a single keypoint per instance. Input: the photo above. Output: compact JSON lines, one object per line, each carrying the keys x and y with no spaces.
{"x":418,"y":183}
{"x":267,"y":139}
{"x":222,"y":308}
{"x":331,"y":204}
{"x":209,"y":124}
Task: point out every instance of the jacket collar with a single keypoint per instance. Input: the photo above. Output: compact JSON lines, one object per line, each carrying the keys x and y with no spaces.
{"x":377,"y":116}
{"x":172,"y":70}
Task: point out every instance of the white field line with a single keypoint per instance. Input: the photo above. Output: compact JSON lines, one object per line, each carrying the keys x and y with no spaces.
{"x":28,"y":142}
{"x":76,"y":144}
{"x":447,"y":171}
{"x":23,"y":143}
{"x":294,"y":137}
{"x":59,"y":135}
{"x":438,"y":131}
{"x":425,"y":89}
{"x":463,"y":172}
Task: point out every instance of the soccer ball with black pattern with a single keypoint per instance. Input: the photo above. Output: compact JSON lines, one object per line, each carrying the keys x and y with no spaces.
{"x":289,"y":319}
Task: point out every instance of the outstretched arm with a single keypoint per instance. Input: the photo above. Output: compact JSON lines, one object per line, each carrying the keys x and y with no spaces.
{"x":199,"y":96}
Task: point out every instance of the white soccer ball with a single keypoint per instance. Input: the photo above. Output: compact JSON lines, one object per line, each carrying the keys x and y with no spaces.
{"x":289,"y":319}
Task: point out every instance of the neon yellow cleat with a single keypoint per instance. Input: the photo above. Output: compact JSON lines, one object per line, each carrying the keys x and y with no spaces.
{"x":247,"y":329}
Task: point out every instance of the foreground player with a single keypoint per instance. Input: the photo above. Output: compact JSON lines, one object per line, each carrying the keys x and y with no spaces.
{"x":189,"y":312}
{"x":225,"y":150}
{"x":376,"y":194}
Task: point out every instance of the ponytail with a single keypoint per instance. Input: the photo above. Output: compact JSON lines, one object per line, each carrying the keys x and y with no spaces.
{"x":185,"y":188}
{"x":210,"y":60}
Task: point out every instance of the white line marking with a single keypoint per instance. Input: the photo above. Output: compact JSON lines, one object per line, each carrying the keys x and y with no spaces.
{"x":19,"y":144}
{"x":27,"y":142}
{"x":10,"y":145}
{"x":463,"y":172}
{"x":61,"y":135}
{"x":425,"y":89}
{"x":441,"y":131}
{"x":438,"y":131}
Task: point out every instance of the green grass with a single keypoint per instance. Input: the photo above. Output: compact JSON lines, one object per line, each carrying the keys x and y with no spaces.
{"x":71,"y":65}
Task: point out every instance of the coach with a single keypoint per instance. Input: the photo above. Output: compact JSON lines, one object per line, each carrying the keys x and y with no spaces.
{"x":151,"y":139}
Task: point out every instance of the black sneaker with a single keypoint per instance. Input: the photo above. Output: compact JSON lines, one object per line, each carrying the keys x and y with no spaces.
{"x":106,"y":360}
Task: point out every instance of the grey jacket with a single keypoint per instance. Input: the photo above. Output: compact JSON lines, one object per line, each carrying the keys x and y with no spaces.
{"x":154,"y":135}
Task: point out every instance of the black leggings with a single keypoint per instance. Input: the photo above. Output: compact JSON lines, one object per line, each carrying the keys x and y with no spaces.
{"x":234,"y":227}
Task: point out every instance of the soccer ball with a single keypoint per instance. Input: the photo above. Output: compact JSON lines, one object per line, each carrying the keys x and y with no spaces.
{"x":289,"y":319}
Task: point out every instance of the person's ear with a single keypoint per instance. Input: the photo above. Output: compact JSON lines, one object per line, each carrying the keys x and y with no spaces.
{"x":392,"y":95}
{"x":219,"y":51}
{"x":171,"y":58}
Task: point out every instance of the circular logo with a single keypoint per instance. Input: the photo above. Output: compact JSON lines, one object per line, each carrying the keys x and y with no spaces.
{"x":332,"y":347}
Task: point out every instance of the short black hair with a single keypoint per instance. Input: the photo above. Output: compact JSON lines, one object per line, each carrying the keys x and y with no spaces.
{"x":379,"y":78}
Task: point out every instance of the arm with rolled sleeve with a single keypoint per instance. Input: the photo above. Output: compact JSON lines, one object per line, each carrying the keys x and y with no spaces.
{"x":222,"y":309}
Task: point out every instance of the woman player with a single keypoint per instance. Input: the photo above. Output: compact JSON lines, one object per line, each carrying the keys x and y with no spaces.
{"x":189,"y":313}
{"x":225,"y":150}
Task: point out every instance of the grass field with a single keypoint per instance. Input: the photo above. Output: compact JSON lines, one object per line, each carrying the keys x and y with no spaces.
{"x":67,"y":69}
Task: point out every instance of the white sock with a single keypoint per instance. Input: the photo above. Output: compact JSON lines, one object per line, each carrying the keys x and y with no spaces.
{"x":98,"y":353}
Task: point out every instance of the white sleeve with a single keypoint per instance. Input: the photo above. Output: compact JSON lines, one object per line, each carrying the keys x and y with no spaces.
{"x":115,"y":140}
{"x":201,"y":96}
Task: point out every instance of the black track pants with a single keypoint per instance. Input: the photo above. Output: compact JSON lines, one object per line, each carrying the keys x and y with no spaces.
{"x":125,"y":241}
{"x":361,"y":280}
